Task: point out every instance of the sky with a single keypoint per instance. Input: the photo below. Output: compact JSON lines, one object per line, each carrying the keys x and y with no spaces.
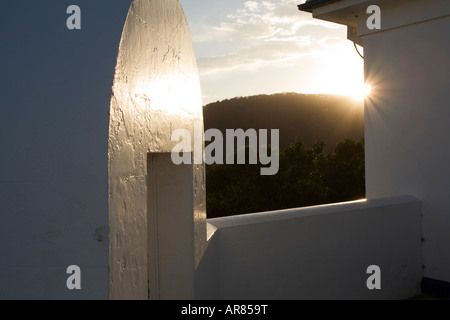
{"x":255,"y":47}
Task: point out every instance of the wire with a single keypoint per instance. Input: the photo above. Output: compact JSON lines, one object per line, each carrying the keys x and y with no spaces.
{"x":354,"y":43}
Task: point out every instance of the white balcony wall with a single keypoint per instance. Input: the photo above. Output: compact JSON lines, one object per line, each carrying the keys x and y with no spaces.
{"x":316,"y":253}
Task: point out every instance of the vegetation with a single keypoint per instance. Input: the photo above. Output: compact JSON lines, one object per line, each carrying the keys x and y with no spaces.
{"x":310,"y":173}
{"x":307,"y":176}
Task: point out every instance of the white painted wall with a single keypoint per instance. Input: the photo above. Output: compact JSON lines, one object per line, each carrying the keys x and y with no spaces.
{"x":57,"y":210}
{"x":55,"y":89}
{"x":171,"y":240}
{"x":73,"y":183}
{"x":156,"y":91}
{"x":316,"y":253}
{"x":407,"y":63}
{"x":407,"y":126}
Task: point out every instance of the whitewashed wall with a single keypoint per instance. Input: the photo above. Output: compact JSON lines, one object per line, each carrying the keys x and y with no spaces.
{"x":156,"y":91}
{"x":407,"y":63}
{"x":316,"y":253}
{"x":55,"y":127}
{"x":55,"y":89}
{"x":81,"y":111}
{"x":407,"y":130}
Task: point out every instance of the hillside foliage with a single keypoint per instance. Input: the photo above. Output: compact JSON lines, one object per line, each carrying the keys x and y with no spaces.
{"x":321,"y":153}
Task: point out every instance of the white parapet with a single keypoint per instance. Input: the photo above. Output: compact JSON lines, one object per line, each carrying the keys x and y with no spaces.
{"x":321,"y":252}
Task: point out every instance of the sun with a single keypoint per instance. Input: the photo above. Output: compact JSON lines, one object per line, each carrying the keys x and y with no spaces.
{"x":361,"y":92}
{"x":340,"y":73}
{"x":358,"y":91}
{"x":367,"y":90}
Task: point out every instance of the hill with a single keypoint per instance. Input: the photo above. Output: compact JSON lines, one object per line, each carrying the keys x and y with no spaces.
{"x":310,"y":117}
{"x":311,"y":172}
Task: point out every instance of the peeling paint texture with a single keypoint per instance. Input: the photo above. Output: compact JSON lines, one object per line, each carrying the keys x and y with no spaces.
{"x":156,"y":90}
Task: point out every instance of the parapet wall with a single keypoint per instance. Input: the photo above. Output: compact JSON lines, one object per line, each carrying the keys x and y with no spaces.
{"x":320,"y":252}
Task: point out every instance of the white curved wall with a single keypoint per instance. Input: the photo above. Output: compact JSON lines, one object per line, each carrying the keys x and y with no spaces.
{"x":156,"y":91}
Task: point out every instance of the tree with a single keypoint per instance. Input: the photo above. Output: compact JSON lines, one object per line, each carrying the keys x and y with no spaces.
{"x":345,"y":172}
{"x":307,"y":176}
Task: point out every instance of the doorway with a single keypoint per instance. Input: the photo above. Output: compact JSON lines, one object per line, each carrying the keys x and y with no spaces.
{"x":170,"y":228}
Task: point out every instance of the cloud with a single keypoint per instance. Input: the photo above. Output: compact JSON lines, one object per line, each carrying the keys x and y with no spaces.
{"x":264,"y":32}
{"x":251,"y":5}
{"x":259,"y":20}
{"x":251,"y":58}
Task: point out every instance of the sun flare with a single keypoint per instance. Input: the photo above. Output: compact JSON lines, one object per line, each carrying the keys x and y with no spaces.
{"x":362,"y":92}
{"x":340,"y":74}
{"x":367,"y":90}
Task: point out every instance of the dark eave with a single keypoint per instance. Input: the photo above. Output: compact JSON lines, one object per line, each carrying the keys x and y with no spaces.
{"x":310,"y":5}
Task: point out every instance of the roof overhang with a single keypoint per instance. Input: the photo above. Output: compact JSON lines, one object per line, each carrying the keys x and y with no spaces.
{"x":396,"y":13}
{"x":345,"y":12}
{"x":310,"y":5}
